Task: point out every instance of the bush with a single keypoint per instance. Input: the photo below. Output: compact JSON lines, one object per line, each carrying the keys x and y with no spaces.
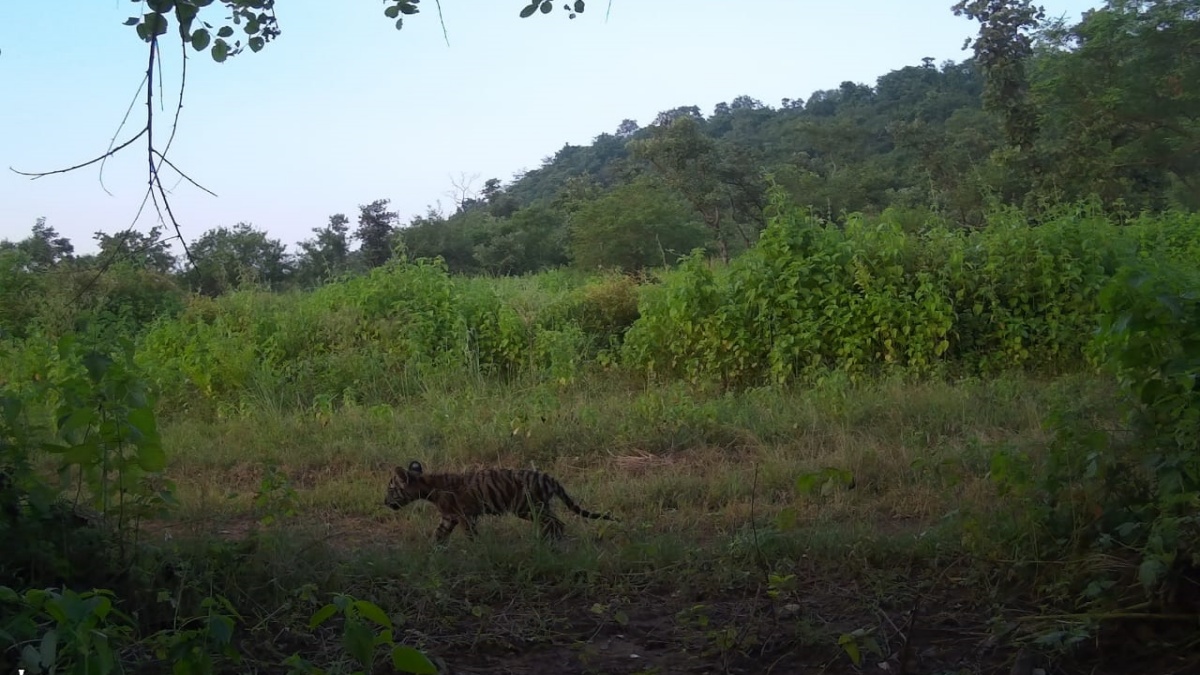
{"x":865,"y":299}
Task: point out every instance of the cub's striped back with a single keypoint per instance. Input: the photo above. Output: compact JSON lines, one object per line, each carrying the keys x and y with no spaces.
{"x":463,"y":497}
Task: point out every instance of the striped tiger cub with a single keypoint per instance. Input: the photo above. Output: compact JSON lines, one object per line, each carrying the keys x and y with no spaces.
{"x":463,"y":497}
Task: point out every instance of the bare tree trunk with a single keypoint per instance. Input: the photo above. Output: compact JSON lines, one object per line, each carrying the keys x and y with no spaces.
{"x":714,"y":223}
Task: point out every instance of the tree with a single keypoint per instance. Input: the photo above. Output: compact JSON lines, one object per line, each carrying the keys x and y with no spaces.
{"x":454,"y":238}
{"x":463,"y":195}
{"x":327,"y":254}
{"x":226,"y":258}
{"x":532,"y":239}
{"x":1119,"y":99}
{"x":635,"y":226}
{"x":667,"y":117}
{"x":43,"y":249}
{"x":375,"y":227}
{"x":500,"y":204}
{"x":720,"y":183}
{"x":1002,"y":48}
{"x":143,"y":251}
{"x":20,"y":290}
{"x":627,"y":128}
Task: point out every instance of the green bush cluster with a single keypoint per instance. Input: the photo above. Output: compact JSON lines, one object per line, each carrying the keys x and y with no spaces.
{"x":865,"y":298}
{"x":1125,"y":493}
{"x":403,"y":327}
{"x":871,"y":297}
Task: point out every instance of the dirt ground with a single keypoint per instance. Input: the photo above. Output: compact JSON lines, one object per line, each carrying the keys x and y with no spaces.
{"x":944,"y":631}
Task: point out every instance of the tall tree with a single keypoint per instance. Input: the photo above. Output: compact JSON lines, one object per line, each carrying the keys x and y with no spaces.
{"x":721,"y":184}
{"x":226,"y":258}
{"x":327,"y":254}
{"x":375,"y":227}
{"x":145,"y":251}
{"x":43,"y":248}
{"x":532,"y":239}
{"x":500,"y":203}
{"x":1119,"y":97}
{"x":627,"y":128}
{"x":1002,"y":48}
{"x":635,"y":226}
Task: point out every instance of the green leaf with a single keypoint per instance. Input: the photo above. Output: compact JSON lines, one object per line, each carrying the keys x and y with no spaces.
{"x":79,"y":418}
{"x":409,"y":660}
{"x":86,"y":453}
{"x":408,"y":8}
{"x":151,"y":457}
{"x":225,"y":31}
{"x":220,"y":51}
{"x":373,"y":612}
{"x":807,"y":483}
{"x":392,"y":12}
{"x":850,"y":646}
{"x":1150,"y":572}
{"x":30,"y":657}
{"x":143,"y":420}
{"x":185,"y":14}
{"x":132,"y":21}
{"x":528,"y":10}
{"x":828,"y":487}
{"x":321,"y":616}
{"x":547,"y":6}
{"x":98,"y":363}
{"x":358,"y":641}
{"x":161,"y":6}
{"x":200,"y":40}
{"x":256,"y":43}
{"x":156,"y":24}
{"x":49,"y":647}
{"x":220,"y":628}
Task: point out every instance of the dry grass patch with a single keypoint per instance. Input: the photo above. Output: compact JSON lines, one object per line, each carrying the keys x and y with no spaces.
{"x":664,"y":459}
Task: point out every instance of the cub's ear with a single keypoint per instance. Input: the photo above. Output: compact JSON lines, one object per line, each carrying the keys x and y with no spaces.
{"x":415,"y":467}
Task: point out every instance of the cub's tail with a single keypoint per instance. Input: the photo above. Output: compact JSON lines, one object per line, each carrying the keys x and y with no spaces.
{"x":561,"y":493}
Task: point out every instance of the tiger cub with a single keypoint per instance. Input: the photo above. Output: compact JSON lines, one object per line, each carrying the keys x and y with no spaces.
{"x":463,"y":497}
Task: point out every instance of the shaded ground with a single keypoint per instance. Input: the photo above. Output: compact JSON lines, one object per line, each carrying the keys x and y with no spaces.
{"x":937,"y":622}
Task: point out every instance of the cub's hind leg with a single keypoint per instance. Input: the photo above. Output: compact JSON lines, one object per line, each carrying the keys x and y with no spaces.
{"x":470,"y":527}
{"x":551,"y":527}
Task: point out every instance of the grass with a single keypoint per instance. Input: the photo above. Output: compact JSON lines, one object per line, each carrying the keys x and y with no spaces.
{"x":720,"y":562}
{"x":658,"y":453}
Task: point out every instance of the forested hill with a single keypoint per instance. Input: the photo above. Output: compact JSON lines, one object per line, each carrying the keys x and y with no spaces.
{"x":917,"y":138}
{"x":1107,"y":110}
{"x":842,"y":134}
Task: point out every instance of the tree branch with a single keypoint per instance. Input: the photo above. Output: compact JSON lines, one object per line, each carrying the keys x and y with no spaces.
{"x":110,"y":153}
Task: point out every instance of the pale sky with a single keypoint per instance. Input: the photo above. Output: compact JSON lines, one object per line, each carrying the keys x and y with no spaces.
{"x":344,"y":109}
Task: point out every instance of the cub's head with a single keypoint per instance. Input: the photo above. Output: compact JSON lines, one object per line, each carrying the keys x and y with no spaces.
{"x":405,"y":486}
